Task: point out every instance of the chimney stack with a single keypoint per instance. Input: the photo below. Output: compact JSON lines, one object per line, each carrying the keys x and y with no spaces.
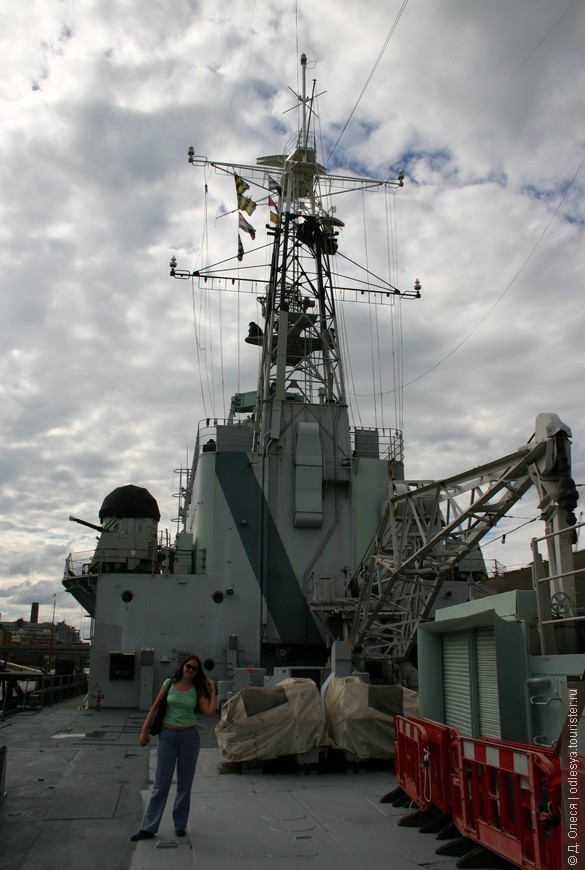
{"x":34,"y":612}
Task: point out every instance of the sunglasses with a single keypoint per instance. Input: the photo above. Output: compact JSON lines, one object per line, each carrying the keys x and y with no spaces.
{"x":190,"y":667}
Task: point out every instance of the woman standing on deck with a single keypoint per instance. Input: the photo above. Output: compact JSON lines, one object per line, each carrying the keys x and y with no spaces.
{"x":178,"y":743}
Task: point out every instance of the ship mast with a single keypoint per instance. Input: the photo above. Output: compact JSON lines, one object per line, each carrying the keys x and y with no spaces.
{"x":300,"y":353}
{"x":301,"y":356}
{"x":284,"y":479}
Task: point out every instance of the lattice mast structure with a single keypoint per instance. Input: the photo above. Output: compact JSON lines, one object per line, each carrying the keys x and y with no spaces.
{"x":301,"y":352}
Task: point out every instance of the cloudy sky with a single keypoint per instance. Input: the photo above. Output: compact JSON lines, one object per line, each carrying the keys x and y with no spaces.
{"x":107,"y":364}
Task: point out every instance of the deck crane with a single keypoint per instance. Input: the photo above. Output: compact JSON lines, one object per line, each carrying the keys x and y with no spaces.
{"x":430,"y":526}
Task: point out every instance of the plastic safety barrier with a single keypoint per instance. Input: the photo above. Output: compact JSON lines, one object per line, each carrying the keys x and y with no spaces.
{"x":501,"y":795}
{"x":422,"y":761}
{"x":507,"y":798}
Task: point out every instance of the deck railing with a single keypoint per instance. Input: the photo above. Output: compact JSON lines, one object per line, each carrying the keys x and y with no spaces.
{"x":38,"y":691}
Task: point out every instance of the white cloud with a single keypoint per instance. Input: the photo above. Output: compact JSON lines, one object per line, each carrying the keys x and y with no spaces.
{"x":100,"y":374}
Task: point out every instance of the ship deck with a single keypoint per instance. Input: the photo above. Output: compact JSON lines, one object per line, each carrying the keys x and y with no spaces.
{"x":76,"y":784}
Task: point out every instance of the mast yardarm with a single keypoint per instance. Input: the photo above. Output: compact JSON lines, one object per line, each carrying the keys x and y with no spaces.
{"x":301,"y":356}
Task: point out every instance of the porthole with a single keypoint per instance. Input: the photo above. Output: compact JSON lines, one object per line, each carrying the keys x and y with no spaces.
{"x":217,"y":597}
{"x":208,"y":665}
{"x":127,"y":596}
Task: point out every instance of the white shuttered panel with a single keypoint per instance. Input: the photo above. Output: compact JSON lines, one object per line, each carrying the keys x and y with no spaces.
{"x":457,"y":681}
{"x":487,"y":683}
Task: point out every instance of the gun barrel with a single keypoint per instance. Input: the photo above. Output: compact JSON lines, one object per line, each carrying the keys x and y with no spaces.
{"x":85,"y":523}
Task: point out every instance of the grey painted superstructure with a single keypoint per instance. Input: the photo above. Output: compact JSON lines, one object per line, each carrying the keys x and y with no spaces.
{"x":297,"y":530}
{"x":282,"y":498}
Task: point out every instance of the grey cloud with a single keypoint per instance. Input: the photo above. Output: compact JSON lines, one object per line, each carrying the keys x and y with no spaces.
{"x":100,"y":371}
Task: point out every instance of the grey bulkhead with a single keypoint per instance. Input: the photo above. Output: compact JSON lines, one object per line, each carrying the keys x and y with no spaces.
{"x":269,"y":544}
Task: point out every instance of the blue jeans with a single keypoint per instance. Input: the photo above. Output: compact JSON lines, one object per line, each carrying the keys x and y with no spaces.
{"x":176,"y":748}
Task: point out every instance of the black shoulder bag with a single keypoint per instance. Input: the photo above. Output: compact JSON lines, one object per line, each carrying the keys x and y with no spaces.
{"x":157,"y":723}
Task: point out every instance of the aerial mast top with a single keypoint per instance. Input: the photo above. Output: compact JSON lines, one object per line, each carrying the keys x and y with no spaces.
{"x":301,"y":356}
{"x":305,"y":125}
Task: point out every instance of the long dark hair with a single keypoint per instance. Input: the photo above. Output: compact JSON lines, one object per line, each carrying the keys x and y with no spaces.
{"x":199,"y":679}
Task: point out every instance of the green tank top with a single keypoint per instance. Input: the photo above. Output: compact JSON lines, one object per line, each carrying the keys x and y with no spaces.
{"x":180,"y":707}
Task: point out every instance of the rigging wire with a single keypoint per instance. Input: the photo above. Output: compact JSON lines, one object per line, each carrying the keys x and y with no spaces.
{"x":399,"y":330}
{"x":398,"y":384}
{"x":237,"y":82}
{"x":377,"y":369}
{"x":204,"y":320}
{"x":398,"y":389}
{"x":209,"y":364}
{"x":378,"y":393}
{"x":204,"y":247}
{"x":238,"y":343}
{"x":510,"y":532}
{"x":349,"y":384}
{"x":221,"y":366}
{"x":503,"y":85}
{"x":210,"y":368}
{"x":379,"y":360}
{"x":353,"y":407}
{"x":508,"y":286}
{"x":368,"y":80}
{"x":502,"y":294}
{"x":395,"y":311}
{"x":199,"y":367}
{"x":372,"y":331}
{"x":531,"y":252}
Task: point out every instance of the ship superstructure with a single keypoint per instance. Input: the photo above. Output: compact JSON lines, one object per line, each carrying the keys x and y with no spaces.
{"x":296,"y":530}
{"x":283,"y":497}
{"x":302,"y":550}
{"x":305,"y":491}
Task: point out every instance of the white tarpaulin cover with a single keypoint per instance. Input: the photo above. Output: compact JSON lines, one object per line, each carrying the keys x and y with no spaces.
{"x":264,"y":723}
{"x":360,"y":718}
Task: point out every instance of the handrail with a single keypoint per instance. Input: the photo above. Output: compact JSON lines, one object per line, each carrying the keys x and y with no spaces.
{"x":46,"y":690}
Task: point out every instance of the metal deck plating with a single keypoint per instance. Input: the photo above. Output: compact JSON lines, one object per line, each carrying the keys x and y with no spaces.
{"x":77,"y":783}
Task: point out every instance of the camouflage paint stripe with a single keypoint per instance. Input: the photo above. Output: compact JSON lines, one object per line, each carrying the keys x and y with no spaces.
{"x":286,"y":603}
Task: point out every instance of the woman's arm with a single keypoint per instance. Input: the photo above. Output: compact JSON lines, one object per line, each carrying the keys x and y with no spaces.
{"x":208,"y":705}
{"x":144,"y":735}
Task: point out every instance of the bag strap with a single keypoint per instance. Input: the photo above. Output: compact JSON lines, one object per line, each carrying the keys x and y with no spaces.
{"x":166,"y":694}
